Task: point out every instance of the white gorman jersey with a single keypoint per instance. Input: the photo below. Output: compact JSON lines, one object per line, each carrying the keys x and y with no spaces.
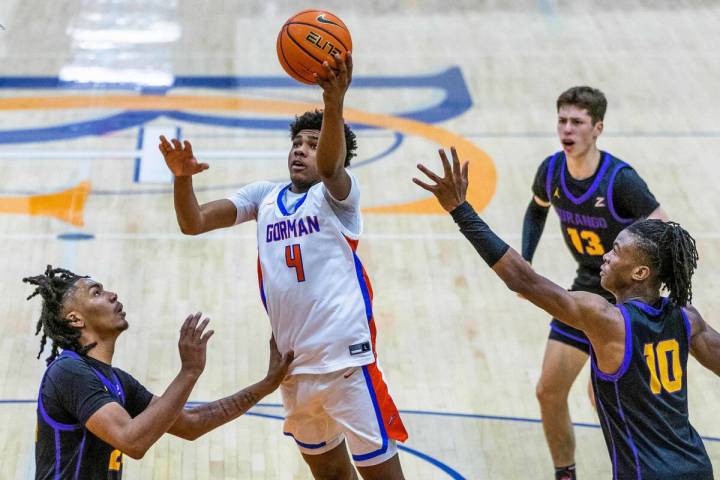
{"x":312,"y":283}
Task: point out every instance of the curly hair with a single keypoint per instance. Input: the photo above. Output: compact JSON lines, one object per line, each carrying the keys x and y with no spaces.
{"x":313,"y":121}
{"x":671,"y":253}
{"x":55,"y":286}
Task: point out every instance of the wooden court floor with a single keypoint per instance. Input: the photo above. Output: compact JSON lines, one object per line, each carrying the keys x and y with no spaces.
{"x":461,"y":354}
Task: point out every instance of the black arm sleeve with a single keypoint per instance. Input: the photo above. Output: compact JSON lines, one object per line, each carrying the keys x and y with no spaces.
{"x":533,"y":225}
{"x":631,"y":196}
{"x":490,"y":247}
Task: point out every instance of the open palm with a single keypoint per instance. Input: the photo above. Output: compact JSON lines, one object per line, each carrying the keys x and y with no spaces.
{"x":179,"y":157}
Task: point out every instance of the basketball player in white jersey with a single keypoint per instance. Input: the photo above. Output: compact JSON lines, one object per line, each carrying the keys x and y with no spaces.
{"x":313,"y":287}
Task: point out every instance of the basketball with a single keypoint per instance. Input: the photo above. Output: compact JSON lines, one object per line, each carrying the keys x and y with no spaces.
{"x":309,"y":38}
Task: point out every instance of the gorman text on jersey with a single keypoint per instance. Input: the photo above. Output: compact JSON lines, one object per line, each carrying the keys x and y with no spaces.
{"x":287,"y":228}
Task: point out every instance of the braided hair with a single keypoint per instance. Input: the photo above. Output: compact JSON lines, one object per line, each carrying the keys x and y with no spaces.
{"x":54,"y":286}
{"x":672,"y":254}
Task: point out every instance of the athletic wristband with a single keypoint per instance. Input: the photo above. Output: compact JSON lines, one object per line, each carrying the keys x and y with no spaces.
{"x":490,"y":247}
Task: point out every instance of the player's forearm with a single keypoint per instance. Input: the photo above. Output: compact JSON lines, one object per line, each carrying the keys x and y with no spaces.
{"x":488,"y":245}
{"x":533,"y":225}
{"x":187,"y":208}
{"x":505,"y":262}
{"x":331,"y":150}
{"x":145,"y":429}
{"x":207,"y":417}
{"x":513,"y":270}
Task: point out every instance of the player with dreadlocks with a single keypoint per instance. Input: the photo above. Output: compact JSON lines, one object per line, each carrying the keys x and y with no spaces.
{"x":90,"y":412}
{"x":639,"y":347}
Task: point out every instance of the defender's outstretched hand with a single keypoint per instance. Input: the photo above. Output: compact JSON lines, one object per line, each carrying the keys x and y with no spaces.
{"x":279,"y":364}
{"x":180,"y":158}
{"x":193,"y":343}
{"x":337,"y":77}
{"x":450,"y":189}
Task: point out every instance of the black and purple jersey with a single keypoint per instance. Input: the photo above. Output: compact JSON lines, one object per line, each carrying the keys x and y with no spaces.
{"x":73,"y":388}
{"x":593,"y":211}
{"x":643,"y":407}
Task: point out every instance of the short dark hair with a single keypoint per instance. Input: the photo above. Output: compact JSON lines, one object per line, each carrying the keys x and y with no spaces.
{"x":591,"y":99}
{"x":313,"y":121}
{"x":671,"y":253}
{"x":55,"y":286}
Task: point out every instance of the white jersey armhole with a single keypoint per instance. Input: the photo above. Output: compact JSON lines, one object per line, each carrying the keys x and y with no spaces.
{"x":247,"y":200}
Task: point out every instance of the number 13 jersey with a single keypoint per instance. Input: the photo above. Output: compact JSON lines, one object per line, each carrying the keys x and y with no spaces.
{"x":593,"y":211}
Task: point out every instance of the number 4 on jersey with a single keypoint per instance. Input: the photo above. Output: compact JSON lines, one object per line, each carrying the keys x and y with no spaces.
{"x":293,"y":259}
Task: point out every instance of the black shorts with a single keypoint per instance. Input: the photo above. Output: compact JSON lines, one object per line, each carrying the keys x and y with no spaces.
{"x":568,"y":335}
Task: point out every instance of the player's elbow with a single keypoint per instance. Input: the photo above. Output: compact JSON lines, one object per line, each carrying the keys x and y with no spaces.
{"x":134,"y":452}
{"x":190,"y":229}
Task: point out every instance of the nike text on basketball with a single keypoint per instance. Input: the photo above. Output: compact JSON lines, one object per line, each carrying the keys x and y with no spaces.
{"x":359,"y":348}
{"x":317,"y":40}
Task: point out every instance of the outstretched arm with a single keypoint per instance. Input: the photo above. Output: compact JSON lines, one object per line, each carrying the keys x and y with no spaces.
{"x":599,"y":319}
{"x":192,"y":217}
{"x":134,"y":436}
{"x":331,"y":149}
{"x":704,"y":341}
{"x":197,"y":421}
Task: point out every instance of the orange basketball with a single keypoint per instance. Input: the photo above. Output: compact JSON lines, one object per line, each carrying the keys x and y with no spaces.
{"x":308,"y":39}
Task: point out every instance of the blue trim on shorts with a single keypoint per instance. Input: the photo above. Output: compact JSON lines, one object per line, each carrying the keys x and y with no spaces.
{"x":383,"y":433}
{"x":305,"y":445}
{"x":569,"y":335}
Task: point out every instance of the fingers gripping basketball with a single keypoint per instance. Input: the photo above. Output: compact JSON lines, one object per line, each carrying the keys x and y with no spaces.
{"x":308,"y":39}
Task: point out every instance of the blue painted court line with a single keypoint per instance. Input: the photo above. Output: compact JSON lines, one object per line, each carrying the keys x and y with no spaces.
{"x":455,"y":101}
{"x":474,"y":416}
{"x":138,"y":159}
{"x":454,"y":474}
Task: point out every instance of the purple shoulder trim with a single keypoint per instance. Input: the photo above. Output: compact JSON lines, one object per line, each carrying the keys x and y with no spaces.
{"x":598,"y":178}
{"x":548,"y":177}
{"x":611,"y":185}
{"x":648,"y":309}
{"x":66,"y":427}
{"x":614,"y":377}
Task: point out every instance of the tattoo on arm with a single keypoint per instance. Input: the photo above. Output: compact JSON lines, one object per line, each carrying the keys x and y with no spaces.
{"x":213,"y":414}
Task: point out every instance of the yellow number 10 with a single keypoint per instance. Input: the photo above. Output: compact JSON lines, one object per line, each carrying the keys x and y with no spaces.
{"x":591,"y":244}
{"x":661,"y":353}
